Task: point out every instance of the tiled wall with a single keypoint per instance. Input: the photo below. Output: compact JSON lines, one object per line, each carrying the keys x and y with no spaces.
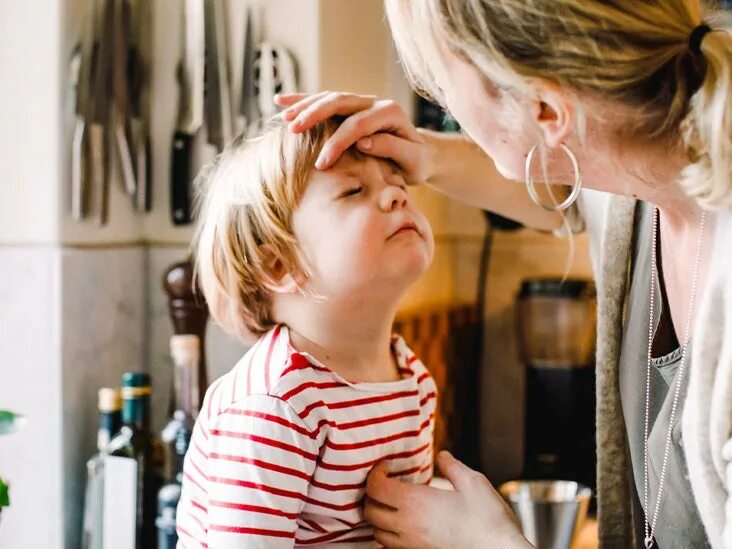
{"x":30,"y":342}
{"x":103,"y":325}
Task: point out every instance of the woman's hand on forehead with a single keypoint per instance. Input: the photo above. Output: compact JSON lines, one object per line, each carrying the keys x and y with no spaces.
{"x":377,"y":127}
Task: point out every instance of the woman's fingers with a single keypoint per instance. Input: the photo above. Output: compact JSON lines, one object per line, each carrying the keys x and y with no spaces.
{"x":391,"y":492}
{"x":381,"y":117}
{"x":380,"y":488}
{"x":291,"y":112}
{"x":404,"y":152}
{"x":422,"y":517}
{"x":460,"y":475}
{"x":316,"y":109}
{"x":390,"y":540}
{"x":379,"y":126}
{"x":381,"y":516}
{"x":287,"y":99}
{"x":319,"y":106}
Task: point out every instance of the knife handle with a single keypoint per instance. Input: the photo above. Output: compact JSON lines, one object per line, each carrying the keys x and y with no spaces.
{"x":180,"y":202}
{"x":144,"y":169}
{"x":140,"y":144}
{"x":99,"y":171}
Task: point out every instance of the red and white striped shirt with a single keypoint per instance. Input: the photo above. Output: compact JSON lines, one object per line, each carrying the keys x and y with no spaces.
{"x":283,"y":445}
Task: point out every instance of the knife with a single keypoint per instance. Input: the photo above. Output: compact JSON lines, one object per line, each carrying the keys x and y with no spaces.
{"x":190,"y":110}
{"x":140,"y":47}
{"x":120,"y":88}
{"x":80,"y":77}
{"x":218,"y":97}
{"x":248,"y":108}
{"x":99,"y":111}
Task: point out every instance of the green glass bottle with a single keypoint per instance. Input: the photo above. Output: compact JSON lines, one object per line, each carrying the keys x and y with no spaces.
{"x":134,"y":467}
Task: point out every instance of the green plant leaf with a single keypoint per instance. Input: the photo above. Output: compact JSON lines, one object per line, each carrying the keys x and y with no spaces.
{"x":9,"y":421}
{"x":4,"y":498}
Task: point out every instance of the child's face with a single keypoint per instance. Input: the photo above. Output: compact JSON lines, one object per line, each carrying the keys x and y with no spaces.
{"x":360,"y":231}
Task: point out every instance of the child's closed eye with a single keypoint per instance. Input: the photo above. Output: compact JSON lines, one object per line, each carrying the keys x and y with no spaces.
{"x":352,"y":191}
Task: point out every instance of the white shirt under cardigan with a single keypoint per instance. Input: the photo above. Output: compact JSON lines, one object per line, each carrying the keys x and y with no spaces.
{"x":707,"y":417}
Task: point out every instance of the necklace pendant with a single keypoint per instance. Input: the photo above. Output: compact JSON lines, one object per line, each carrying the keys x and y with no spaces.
{"x":648,"y":542}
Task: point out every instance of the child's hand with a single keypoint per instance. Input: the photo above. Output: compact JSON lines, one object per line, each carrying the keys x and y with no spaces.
{"x":376,"y":126}
{"x":415,"y":516}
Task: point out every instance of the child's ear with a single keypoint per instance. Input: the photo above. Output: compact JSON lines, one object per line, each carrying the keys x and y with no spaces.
{"x":282,"y":280}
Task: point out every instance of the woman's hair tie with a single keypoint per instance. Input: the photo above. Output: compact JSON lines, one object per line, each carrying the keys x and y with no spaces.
{"x":696,"y":37}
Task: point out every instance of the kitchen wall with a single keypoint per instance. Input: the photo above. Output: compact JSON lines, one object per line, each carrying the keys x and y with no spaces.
{"x":82,"y":303}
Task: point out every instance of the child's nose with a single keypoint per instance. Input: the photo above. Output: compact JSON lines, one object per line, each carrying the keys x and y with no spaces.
{"x":393,"y":197}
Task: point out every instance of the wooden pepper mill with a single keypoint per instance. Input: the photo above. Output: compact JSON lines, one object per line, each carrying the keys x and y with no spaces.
{"x":188,"y":311}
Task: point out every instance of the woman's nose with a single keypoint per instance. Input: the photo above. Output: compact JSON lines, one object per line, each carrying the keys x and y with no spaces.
{"x":393,"y":197}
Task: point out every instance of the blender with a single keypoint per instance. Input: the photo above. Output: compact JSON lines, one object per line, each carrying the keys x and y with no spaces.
{"x":556,"y":323}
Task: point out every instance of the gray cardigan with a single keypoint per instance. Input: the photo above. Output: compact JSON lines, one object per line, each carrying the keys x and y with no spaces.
{"x":707,"y":418}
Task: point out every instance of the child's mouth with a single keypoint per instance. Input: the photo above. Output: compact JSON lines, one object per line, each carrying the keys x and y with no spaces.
{"x":406,"y":228}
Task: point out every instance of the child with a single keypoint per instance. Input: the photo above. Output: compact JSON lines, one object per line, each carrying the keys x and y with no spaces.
{"x":315,"y":263}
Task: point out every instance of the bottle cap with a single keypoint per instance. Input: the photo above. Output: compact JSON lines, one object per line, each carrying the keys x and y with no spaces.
{"x":109,"y":400}
{"x":185,"y":348}
{"x":135,"y":384}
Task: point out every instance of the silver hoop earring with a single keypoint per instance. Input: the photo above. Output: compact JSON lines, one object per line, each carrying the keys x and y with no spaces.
{"x":576,"y":188}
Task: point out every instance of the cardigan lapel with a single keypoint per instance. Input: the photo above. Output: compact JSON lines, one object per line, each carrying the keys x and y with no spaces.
{"x":613,"y":487}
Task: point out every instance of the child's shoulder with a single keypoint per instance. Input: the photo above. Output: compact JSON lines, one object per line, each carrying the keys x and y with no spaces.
{"x":270,"y":368}
{"x":406,"y":358}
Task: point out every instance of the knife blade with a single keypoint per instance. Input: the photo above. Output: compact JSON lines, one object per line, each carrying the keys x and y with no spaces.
{"x":81,"y":67}
{"x":98,"y":115}
{"x":78,"y":146}
{"x":190,"y":117}
{"x":190,"y":110}
{"x":248,"y":109}
{"x":120,"y":88}
{"x":218,"y":98}
{"x":140,"y":47}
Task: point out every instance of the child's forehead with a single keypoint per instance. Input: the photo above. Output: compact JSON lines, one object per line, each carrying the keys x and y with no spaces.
{"x":358,"y":166}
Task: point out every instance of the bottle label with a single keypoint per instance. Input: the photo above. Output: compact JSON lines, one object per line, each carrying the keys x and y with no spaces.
{"x":120,"y":502}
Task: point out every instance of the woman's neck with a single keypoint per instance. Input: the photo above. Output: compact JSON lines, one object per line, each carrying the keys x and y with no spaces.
{"x":649,"y":172}
{"x":352,"y":338}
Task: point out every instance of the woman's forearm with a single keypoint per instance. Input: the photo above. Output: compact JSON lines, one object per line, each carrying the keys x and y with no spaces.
{"x":463,"y":171}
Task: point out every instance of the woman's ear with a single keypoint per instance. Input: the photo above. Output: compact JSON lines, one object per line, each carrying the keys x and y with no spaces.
{"x":554,"y":113}
{"x":282,"y":280}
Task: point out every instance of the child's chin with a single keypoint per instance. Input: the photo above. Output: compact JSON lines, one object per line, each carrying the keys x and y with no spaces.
{"x":412,"y":265}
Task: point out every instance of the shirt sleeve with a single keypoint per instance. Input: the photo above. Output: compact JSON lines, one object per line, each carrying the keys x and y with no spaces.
{"x":261,"y":457}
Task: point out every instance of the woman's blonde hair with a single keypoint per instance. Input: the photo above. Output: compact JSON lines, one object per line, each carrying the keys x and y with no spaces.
{"x":245,"y":201}
{"x":633,"y":52}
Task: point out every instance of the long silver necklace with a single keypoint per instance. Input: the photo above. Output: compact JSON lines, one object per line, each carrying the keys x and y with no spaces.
{"x":650,"y":529}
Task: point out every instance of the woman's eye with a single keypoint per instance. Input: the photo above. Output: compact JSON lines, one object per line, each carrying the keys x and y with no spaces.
{"x":352,"y":192}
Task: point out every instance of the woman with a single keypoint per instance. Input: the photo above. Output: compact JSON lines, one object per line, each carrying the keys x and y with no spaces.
{"x":633,"y":99}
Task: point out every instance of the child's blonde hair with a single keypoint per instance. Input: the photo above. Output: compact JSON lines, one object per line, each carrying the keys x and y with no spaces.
{"x":633,"y":52}
{"x":245,"y":201}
